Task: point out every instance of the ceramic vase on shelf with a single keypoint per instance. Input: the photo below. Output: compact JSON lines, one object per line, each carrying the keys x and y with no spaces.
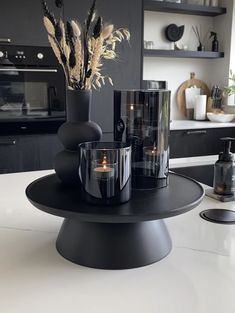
{"x":77,"y":129}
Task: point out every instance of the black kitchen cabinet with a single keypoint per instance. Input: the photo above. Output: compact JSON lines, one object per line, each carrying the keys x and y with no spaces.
{"x":48,"y":146}
{"x":125,"y":71}
{"x":28,"y":152}
{"x":21,"y":22}
{"x":198,"y":142}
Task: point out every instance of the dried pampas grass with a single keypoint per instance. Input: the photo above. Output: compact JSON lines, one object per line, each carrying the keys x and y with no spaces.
{"x":79,"y":50}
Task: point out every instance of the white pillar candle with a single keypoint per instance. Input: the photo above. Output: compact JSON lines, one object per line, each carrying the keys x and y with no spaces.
{"x":200,"y":107}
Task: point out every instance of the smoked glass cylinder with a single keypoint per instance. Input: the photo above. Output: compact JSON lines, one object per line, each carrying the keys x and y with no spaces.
{"x":105,"y":172}
{"x":142,"y":119}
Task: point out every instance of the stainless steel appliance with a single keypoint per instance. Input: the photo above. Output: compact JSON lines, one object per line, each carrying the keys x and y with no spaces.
{"x":32,"y":90}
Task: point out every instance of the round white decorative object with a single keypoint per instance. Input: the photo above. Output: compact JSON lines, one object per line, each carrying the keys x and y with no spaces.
{"x":1,"y":54}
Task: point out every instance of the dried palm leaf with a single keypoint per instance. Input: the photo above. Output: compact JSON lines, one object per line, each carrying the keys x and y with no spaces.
{"x":63,"y":43}
{"x":90,"y":17}
{"x":49,"y":26}
{"x":76,"y":28}
{"x":58,"y":31}
{"x":76,"y":70}
{"x":70,"y":35}
{"x":47,"y":13}
{"x":97,"y":28}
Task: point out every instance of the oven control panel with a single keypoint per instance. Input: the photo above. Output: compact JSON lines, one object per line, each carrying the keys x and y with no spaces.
{"x":27,"y":55}
{"x":20,"y":55}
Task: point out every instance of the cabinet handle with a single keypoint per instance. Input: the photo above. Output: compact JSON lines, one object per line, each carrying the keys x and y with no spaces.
{"x":8,"y":142}
{"x":5,"y":40}
{"x":196,"y":132}
{"x":36,"y":70}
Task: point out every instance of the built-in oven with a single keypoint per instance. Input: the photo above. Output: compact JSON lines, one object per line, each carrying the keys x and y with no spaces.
{"x":32,"y":90}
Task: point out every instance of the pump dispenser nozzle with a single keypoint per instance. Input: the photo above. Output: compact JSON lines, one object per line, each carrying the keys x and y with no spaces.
{"x":226,"y":155}
{"x":213,"y":34}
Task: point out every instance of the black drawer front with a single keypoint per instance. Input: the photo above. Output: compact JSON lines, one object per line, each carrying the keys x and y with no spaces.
{"x":28,"y":153}
{"x":198,"y":142}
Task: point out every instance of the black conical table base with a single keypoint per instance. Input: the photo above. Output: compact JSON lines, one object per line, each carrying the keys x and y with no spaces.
{"x":113,"y":246}
{"x":115,"y":237}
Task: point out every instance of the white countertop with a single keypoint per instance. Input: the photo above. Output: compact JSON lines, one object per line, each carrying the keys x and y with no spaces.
{"x":186,"y":124}
{"x":193,"y":161}
{"x":198,"y":276}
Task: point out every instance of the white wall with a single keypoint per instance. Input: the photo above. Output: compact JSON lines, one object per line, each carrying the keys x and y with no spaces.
{"x":223,"y":25}
{"x":176,"y":71}
{"x":230,"y":50}
{"x":232,"y":47}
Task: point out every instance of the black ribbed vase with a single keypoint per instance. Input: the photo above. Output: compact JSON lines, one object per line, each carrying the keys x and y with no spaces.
{"x":78,"y":128}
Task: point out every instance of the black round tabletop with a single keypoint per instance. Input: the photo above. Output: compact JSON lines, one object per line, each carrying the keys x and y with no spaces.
{"x":50,"y":195}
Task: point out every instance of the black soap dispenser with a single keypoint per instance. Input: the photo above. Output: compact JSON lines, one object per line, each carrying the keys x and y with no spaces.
{"x":224,"y":170}
{"x":215,"y":42}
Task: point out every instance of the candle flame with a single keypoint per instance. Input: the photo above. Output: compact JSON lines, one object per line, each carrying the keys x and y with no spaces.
{"x":104,"y":162}
{"x":132,"y":107}
{"x":154,"y":150}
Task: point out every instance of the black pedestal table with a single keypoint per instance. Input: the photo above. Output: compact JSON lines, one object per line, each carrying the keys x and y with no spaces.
{"x":115,"y":237}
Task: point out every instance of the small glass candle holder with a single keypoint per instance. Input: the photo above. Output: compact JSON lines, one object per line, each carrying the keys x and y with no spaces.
{"x":105,"y":172}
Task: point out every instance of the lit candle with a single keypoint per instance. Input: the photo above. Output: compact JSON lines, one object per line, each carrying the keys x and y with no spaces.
{"x":135,"y":110}
{"x":104,"y":171}
{"x":152,"y":152}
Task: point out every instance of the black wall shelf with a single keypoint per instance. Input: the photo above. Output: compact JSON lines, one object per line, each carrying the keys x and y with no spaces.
{"x":183,"y":54}
{"x":182,"y":8}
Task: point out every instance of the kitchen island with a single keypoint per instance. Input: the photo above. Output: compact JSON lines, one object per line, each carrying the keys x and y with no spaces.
{"x":198,"y":276}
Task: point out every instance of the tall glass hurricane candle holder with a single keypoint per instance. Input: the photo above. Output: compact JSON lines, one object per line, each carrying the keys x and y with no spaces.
{"x":142,"y":119}
{"x":105,"y":172}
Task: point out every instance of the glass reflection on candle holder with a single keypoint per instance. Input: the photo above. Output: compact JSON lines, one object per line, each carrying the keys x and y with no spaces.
{"x":142,"y":119}
{"x":151,"y":161}
{"x":105,"y":172}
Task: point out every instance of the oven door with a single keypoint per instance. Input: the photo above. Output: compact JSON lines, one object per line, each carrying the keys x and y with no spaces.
{"x":31,"y":93}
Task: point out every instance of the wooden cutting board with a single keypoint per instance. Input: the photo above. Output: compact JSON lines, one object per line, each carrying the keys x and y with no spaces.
{"x":180,"y":96}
